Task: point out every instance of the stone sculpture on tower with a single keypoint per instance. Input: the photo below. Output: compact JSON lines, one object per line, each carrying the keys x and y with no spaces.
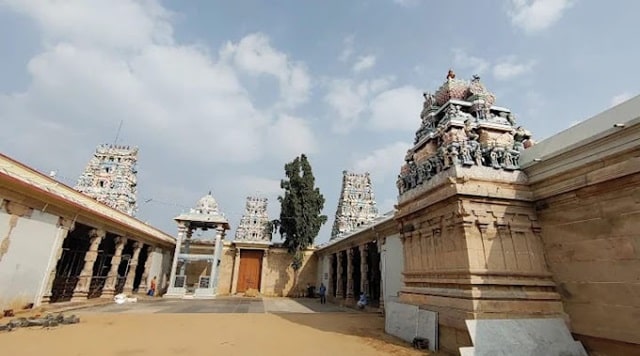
{"x":110,"y":177}
{"x":356,"y":205}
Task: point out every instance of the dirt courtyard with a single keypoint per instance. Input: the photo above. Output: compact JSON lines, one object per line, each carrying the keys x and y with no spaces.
{"x":210,"y":334}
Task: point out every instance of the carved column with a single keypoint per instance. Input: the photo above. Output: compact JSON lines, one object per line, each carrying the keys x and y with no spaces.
{"x":263,"y":271}
{"x":364,"y":268}
{"x":133,"y":264}
{"x":145,"y":273}
{"x":216,"y":253}
{"x":84,"y":280}
{"x":64,"y":227}
{"x":339,"y":289}
{"x":349,"y":273}
{"x":182,"y":230}
{"x":236,"y":269}
{"x":112,"y":277}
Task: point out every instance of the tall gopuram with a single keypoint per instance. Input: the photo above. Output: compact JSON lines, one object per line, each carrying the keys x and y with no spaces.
{"x":110,"y":177}
{"x":254,"y":221}
{"x":356,"y":205}
{"x":471,"y":239}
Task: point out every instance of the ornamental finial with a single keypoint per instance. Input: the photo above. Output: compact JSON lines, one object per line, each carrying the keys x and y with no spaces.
{"x":451,"y":74}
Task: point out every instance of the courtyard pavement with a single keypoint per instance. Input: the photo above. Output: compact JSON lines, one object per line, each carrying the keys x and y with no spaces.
{"x":220,"y":305}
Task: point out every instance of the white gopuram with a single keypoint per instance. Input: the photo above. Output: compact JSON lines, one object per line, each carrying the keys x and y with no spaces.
{"x":194,"y":271}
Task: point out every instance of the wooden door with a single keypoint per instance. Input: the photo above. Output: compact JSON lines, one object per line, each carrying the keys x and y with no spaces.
{"x":250,"y":270}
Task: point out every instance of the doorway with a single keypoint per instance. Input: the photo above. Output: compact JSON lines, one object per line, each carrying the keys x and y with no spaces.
{"x":250,"y":270}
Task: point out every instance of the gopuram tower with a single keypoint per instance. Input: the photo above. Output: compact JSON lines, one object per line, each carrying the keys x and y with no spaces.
{"x":356,"y":205}
{"x":468,"y":224}
{"x":253,"y":224}
{"x":110,"y":177}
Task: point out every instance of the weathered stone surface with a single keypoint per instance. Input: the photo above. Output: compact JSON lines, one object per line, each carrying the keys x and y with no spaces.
{"x":518,"y":337}
{"x":407,"y":322}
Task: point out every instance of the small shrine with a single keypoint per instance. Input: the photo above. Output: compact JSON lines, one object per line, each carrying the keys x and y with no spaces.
{"x":195,"y":267}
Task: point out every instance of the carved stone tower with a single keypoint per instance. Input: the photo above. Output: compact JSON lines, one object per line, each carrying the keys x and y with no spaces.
{"x":110,"y":177}
{"x":356,"y":205}
{"x":468,"y":224}
{"x":254,"y":221}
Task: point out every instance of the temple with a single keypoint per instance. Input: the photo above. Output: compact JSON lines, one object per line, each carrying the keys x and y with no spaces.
{"x":253,"y":225}
{"x":356,"y":204}
{"x":110,"y":177}
{"x":194,"y":271}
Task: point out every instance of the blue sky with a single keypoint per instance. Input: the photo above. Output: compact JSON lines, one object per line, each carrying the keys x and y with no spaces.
{"x":219,"y":95}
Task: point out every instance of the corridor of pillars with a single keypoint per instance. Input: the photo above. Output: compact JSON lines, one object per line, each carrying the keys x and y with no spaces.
{"x":355,"y":271}
{"x":93,"y":264}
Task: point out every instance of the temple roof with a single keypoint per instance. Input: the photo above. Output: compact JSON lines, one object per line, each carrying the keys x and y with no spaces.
{"x":205,"y":214}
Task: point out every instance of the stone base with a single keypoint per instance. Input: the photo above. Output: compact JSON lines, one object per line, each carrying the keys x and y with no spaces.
{"x":108,"y":294}
{"x":408,"y":322}
{"x":79,"y":296}
{"x":453,"y":312}
{"x":521,"y":337}
{"x":204,"y":293}
{"x":175,"y":293}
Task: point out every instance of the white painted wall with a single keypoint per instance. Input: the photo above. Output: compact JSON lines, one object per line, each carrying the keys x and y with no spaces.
{"x":24,"y":267}
{"x":392,"y":260}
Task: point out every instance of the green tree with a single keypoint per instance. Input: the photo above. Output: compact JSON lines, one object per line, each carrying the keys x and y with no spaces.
{"x":300,"y":210}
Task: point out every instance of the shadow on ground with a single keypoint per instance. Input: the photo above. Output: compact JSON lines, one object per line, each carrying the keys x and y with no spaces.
{"x":368,"y":326}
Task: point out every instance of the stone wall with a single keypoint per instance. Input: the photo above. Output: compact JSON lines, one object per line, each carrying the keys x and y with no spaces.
{"x":27,"y":239}
{"x":278,"y":276}
{"x":592,"y":242}
{"x":392,"y":265}
{"x":225,"y":270}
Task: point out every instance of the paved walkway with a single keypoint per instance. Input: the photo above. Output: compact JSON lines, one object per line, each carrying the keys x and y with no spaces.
{"x":220,"y":305}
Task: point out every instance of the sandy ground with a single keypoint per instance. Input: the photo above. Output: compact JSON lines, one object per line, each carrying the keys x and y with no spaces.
{"x":326,"y":334}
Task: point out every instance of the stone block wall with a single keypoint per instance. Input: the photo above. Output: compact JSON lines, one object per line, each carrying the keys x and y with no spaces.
{"x":278,"y":276}
{"x":225,"y":270}
{"x":591,"y":236}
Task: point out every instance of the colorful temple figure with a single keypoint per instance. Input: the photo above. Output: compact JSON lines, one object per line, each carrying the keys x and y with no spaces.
{"x":356,"y":205}
{"x":110,"y":177}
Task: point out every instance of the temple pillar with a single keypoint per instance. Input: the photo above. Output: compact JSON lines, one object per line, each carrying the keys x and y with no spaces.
{"x":236,"y":270}
{"x":381,"y":283}
{"x":81,"y":290}
{"x":64,"y":227}
{"x":112,"y":277}
{"x":131,"y":274}
{"x":339,"y":288}
{"x":263,"y":270}
{"x":349,"y":294}
{"x":364,"y":268}
{"x":172,"y":290}
{"x":145,"y":273}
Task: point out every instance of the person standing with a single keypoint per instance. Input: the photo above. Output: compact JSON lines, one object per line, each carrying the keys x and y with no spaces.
{"x":152,"y":288}
{"x":323,"y":293}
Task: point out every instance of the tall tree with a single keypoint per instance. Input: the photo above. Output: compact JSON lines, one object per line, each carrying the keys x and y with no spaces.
{"x":300,"y":210}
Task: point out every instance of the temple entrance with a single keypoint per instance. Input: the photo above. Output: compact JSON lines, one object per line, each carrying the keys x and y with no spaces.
{"x":250,"y":270}
{"x":334,"y":275}
{"x":374,"y":276}
{"x":70,"y":264}
{"x":102,"y":265}
{"x":357,"y":267}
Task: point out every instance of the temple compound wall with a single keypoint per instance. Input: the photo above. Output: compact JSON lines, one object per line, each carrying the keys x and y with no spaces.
{"x":250,"y":264}
{"x":586,"y":186}
{"x":363,"y":261}
{"x":495,"y":227}
{"x":56,"y":244}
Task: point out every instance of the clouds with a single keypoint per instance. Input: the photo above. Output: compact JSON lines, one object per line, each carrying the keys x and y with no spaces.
{"x":537,"y":15}
{"x":383,"y":163}
{"x":506,"y":68}
{"x":364,"y":63}
{"x":510,"y":68}
{"x":621,"y":98}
